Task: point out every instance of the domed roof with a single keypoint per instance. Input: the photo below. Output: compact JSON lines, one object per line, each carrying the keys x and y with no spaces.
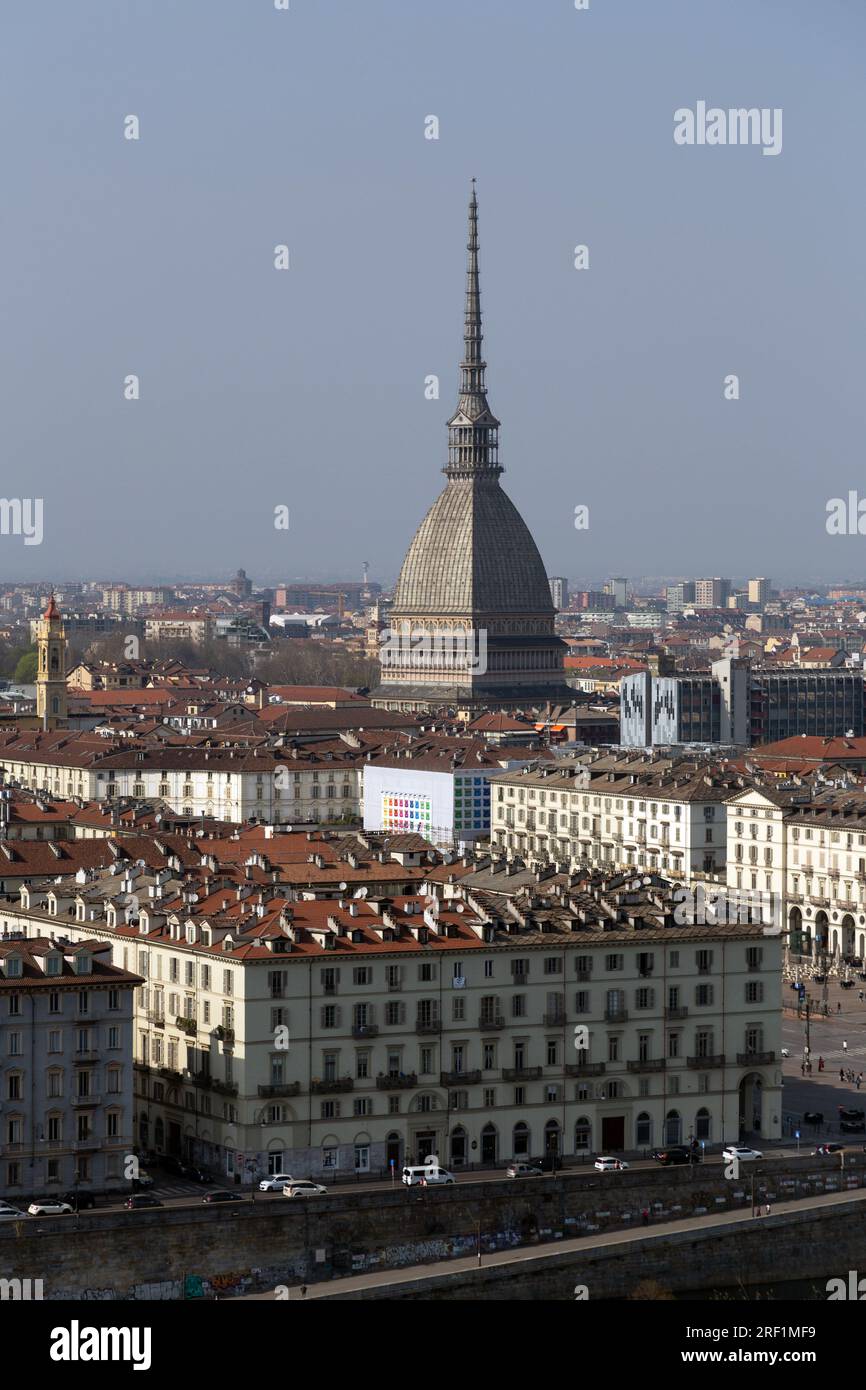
{"x":473,"y":553}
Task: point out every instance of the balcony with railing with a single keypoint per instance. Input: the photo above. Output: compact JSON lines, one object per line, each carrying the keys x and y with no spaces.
{"x":646,"y":1064}
{"x":677,"y":1011}
{"x":188,"y":1025}
{"x":156,"y":1017}
{"x":585,"y":1068}
{"x":491,"y":1021}
{"x":428,"y":1025}
{"x":87,"y":1100}
{"x":285,"y":1088}
{"x":459,"y":1078}
{"x":755,"y":1059}
{"x":616,"y":1015}
{"x":555,"y":1019}
{"x":521,"y":1073}
{"x":334,"y":1087}
{"x":712,"y":1059}
{"x":396,"y":1081}
{"x":365,"y":1030}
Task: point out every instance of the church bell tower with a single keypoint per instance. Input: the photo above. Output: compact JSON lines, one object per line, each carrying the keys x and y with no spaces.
{"x":51,"y":668}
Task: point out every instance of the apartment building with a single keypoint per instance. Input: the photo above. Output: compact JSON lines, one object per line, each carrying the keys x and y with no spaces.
{"x":233,"y":784}
{"x":343,"y":1036}
{"x":66,"y":1107}
{"x":809,"y":849}
{"x":617,"y":812}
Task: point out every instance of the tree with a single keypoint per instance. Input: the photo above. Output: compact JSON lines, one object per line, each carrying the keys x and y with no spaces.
{"x":25,"y":670}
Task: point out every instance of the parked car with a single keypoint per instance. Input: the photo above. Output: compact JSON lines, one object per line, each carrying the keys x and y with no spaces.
{"x":433,"y":1177}
{"x":610,"y":1165}
{"x":813,"y":1117}
{"x":304,"y":1188}
{"x":197,"y":1174}
{"x":826,"y":1149}
{"x":275,"y":1183}
{"x":169,"y":1163}
{"x":10,"y":1213}
{"x":79,"y":1201}
{"x":853,"y":1126}
{"x":50,"y":1207}
{"x":222,"y":1196}
{"x":741,"y":1151}
{"x":139,"y":1200}
{"x":847,"y":1113}
{"x":523,"y":1170}
{"x":673,"y":1154}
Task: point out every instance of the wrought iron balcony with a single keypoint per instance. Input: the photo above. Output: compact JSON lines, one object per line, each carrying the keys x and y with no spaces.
{"x":521,"y":1073}
{"x":584,"y":975}
{"x":648,"y":1064}
{"x":394,"y":1081}
{"x":365,"y":1030}
{"x":428,"y":1025}
{"x":491,"y":1021}
{"x":678,"y":1012}
{"x":328,"y":1088}
{"x":287,"y":1088}
{"x":715,"y":1059}
{"x":459,"y":1078}
{"x":87,"y":1100}
{"x":755,"y":1059}
{"x":189,"y":1025}
{"x":616,"y":1015}
{"x":585,"y":1068}
{"x":554,"y":1020}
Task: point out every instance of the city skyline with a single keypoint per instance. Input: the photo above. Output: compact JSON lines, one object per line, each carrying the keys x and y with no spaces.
{"x":306,"y":389}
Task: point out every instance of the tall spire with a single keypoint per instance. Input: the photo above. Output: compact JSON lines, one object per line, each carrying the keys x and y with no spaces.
{"x":473,"y":430}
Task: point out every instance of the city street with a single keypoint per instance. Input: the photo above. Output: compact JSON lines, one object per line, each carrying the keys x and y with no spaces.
{"x":823,"y":1091}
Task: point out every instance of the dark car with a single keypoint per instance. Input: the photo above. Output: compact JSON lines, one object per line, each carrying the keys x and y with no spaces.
{"x":826,"y":1149}
{"x":677,"y":1153}
{"x":813,"y":1117}
{"x":847,"y":1113}
{"x":79,"y":1201}
{"x":222,"y":1197}
{"x":196,"y":1174}
{"x":140,"y":1200}
{"x":169,"y":1164}
{"x":853,"y":1126}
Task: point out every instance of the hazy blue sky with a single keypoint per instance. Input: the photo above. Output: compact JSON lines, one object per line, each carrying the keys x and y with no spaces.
{"x":306,"y":388}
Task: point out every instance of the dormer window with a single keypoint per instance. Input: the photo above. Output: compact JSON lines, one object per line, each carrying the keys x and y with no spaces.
{"x":83,"y":963}
{"x":14,"y":967}
{"x":54,"y":964}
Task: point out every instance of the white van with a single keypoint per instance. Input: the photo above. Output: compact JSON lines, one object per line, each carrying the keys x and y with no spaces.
{"x":435,"y":1177}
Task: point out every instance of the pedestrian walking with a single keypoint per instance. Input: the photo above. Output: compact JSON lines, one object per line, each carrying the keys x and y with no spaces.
{"x":844,"y":1045}
{"x":802,"y":1068}
{"x":767,"y":1209}
{"x":820,"y":1064}
{"x":839,"y":1007}
{"x":860,"y":995}
{"x":644,"y":1216}
{"x":841,"y":1074}
{"x":303,"y":1291}
{"x":859,"y":1079}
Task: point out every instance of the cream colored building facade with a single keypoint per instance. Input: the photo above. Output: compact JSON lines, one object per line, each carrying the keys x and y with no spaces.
{"x":670,"y":819}
{"x":325,"y":1037}
{"x":810,"y":853}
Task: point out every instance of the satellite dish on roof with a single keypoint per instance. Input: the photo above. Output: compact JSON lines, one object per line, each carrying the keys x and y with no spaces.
{"x":361,"y":892}
{"x":343,"y":887}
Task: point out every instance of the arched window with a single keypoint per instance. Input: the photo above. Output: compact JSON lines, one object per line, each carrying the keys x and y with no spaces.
{"x":582,"y":1135}
{"x":702,"y":1124}
{"x":520,"y":1142}
{"x":673,"y":1127}
{"x":643,"y":1130}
